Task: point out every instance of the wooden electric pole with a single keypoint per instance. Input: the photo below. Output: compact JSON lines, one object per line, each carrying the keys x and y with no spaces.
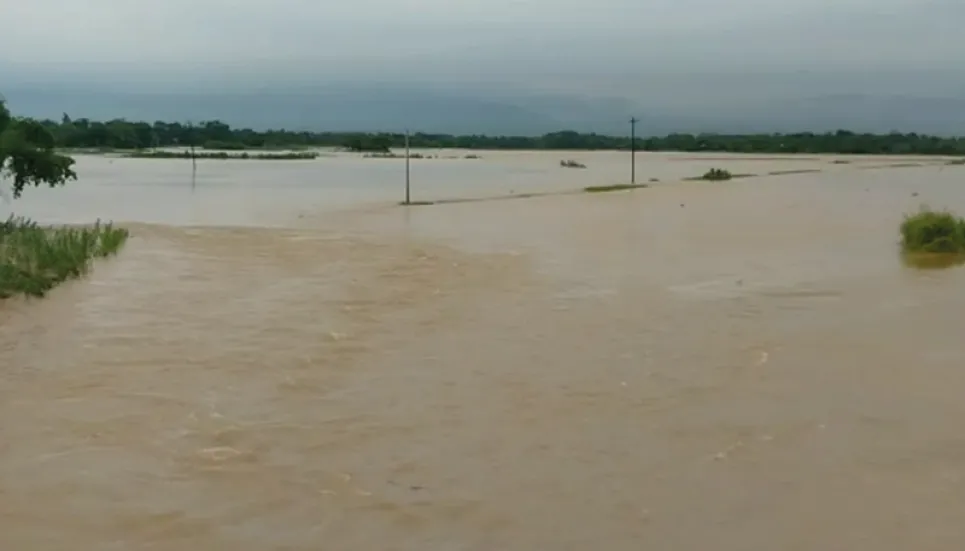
{"x":633,"y":150}
{"x":407,"y":201}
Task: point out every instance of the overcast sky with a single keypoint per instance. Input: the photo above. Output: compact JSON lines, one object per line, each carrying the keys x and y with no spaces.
{"x":585,"y":44}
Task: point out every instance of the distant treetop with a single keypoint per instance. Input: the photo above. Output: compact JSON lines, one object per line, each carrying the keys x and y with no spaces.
{"x":123,"y":134}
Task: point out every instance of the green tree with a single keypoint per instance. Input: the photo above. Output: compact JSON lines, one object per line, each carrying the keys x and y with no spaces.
{"x":27,"y":154}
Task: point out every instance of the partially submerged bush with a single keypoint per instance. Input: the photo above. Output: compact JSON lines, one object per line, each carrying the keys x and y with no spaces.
{"x":931,"y":231}
{"x":570,"y":163}
{"x":34,"y":259}
{"x":717,"y":175}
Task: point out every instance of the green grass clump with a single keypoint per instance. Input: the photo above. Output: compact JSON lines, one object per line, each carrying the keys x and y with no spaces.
{"x":570,"y":163}
{"x":931,"y":231}
{"x":612,"y":187}
{"x":223,"y":155}
{"x":718,"y":175}
{"x":35,"y":259}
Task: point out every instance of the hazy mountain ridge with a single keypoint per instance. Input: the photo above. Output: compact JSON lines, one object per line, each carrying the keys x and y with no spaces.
{"x":394,"y":109}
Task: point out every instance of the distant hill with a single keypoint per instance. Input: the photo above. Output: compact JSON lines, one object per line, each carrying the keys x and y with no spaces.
{"x":857,"y":112}
{"x":389,"y":108}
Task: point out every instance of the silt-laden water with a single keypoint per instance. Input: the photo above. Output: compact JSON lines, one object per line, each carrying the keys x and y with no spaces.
{"x":285,"y":359}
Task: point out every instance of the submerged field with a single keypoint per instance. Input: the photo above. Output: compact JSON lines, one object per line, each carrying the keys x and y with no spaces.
{"x":285,"y":356}
{"x":246,"y":192}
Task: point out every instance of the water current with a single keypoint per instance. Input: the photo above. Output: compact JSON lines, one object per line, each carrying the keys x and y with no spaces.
{"x":285,"y":359}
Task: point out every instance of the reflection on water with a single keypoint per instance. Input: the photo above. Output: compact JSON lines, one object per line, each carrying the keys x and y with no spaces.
{"x":927,"y":261}
{"x":745,"y":365}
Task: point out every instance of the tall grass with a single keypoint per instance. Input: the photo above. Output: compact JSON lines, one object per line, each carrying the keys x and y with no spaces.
{"x":613,"y":187}
{"x":717,"y":175}
{"x":34,"y":259}
{"x":933,"y":231}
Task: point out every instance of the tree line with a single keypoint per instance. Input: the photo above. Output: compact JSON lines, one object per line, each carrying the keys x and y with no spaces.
{"x":123,"y":134}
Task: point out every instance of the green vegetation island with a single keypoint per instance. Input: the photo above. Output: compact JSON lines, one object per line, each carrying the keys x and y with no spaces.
{"x":87,"y":135}
{"x":33,"y":258}
{"x":933,"y":232}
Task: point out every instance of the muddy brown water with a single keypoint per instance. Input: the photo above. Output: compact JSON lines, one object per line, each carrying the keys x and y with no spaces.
{"x":284,"y":359}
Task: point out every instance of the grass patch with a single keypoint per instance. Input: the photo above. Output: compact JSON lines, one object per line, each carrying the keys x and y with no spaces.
{"x":399,"y":156}
{"x":798,"y":171}
{"x":570,"y":163}
{"x":35,"y":259}
{"x":224,"y":156}
{"x":613,"y":187}
{"x":933,"y":232}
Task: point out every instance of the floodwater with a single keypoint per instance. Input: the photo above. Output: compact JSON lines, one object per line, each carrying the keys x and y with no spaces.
{"x":282,"y":358}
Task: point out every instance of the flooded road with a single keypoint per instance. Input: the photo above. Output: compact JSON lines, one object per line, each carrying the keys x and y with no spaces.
{"x":284,"y":359}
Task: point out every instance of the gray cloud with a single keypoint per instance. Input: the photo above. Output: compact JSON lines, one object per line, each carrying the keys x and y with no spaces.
{"x":680,"y":52}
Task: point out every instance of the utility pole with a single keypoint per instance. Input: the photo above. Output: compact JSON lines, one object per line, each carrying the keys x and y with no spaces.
{"x":633,"y":150}
{"x":407,"y":166}
{"x":194,"y":157}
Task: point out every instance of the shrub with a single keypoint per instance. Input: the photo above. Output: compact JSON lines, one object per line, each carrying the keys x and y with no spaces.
{"x":717,"y":175}
{"x":612,"y":187}
{"x":931,"y":231}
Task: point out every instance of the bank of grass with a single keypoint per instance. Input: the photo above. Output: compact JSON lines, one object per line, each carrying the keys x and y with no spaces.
{"x":933,"y":232}
{"x":216,"y":145}
{"x":86,"y":150}
{"x":391,"y":155}
{"x":795,"y":171}
{"x":34,"y":259}
{"x":223,"y":155}
{"x":613,"y":187}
